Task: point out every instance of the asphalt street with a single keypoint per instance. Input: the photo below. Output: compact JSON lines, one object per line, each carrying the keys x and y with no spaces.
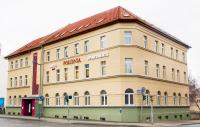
{"x":4,"y":122}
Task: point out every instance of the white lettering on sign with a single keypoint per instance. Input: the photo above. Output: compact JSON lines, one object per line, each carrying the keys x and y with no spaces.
{"x":102,"y":55}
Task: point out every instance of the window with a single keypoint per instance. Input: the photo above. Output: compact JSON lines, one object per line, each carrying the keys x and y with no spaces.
{"x":147,"y":95}
{"x":156,"y":46}
{"x":58,"y":54}
{"x":173,"y":74}
{"x":158,"y":98}
{"x":165,"y":98}
{"x":11,"y":65}
{"x":76,"y":49}
{"x":21,"y":63}
{"x":103,"y":42}
{"x":163,"y":49}
{"x":16,"y":64}
{"x":14,"y":101}
{"x":186,"y":99}
{"x":57,"y":99}
{"x":26,"y":61}
{"x":164,"y":72}
{"x":76,"y":99}
{"x":103,"y":68}
{"x":145,"y":42}
{"x":146,"y":67}
{"x":129,"y":97}
{"x":176,"y":54}
{"x":20,"y":100}
{"x":76,"y":72}
{"x":65,"y":96}
{"x":15,"y":81}
{"x":157,"y":70}
{"x":65,"y":52}
{"x":20,"y":81}
{"x":87,"y":71}
{"x":47,"y":76}
{"x":10,"y":100}
{"x":178,"y":76}
{"x":104,"y":97}
{"x":185,"y":77}
{"x":47,"y":99}
{"x":184,"y":59}
{"x":48,"y":56}
{"x":172,"y":52}
{"x":128,"y":65}
{"x":128,"y":37}
{"x":174,"y":98}
{"x":11,"y":82}
{"x":66,"y":74}
{"x":57,"y":75}
{"x":179,"y":99}
{"x":87,"y":98}
{"x":86,"y":46}
{"x":26,"y":80}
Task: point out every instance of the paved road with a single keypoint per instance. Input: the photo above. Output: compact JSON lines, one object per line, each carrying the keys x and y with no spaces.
{"x":4,"y":122}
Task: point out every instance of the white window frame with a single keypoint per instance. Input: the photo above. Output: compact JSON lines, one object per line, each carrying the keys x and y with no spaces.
{"x":128,"y":66}
{"x":103,"y":44}
{"x":128,"y":37}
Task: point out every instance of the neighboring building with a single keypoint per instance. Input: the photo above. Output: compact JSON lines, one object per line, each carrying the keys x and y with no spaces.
{"x":102,"y":61}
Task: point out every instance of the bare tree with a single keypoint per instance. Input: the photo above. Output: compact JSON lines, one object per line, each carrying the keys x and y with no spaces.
{"x":194,"y":92}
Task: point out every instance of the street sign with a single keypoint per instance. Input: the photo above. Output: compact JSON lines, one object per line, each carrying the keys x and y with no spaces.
{"x":143,"y":90}
{"x":40,"y":102}
{"x":40,"y":98}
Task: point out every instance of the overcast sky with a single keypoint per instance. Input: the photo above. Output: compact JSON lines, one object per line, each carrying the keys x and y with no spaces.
{"x":21,"y":21}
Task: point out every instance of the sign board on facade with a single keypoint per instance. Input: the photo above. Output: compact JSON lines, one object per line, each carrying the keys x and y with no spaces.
{"x":1,"y":102}
{"x":98,"y":56}
{"x":72,"y":61}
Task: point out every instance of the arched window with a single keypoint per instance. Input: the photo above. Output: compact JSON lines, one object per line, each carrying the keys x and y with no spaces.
{"x":65,"y":99}
{"x":186,"y":99}
{"x":47,"y":99}
{"x":87,"y":98}
{"x":104,"y":97}
{"x":147,"y":95}
{"x":10,"y":100}
{"x":158,"y":98}
{"x":179,"y":99}
{"x":165,"y":98}
{"x":20,"y":100}
{"x":57,"y":99}
{"x":15,"y":101}
{"x":76,"y":98}
{"x":128,"y":96}
{"x":25,"y":96}
{"x":174,"y":98}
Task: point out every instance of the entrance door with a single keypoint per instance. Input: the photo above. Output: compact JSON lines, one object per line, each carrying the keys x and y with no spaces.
{"x":27,"y":107}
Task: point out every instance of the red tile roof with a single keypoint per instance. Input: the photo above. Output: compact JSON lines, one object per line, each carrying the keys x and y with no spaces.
{"x":117,"y":14}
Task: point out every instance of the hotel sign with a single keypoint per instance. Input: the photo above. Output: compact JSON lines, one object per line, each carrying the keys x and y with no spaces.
{"x":72,"y":61}
{"x":98,"y":56}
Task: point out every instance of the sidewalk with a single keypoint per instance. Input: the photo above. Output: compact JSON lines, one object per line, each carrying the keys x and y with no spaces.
{"x":53,"y":120}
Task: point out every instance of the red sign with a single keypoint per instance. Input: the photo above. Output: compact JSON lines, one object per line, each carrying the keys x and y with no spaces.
{"x":72,"y":61}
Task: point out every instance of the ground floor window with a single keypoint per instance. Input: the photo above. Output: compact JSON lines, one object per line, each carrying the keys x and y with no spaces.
{"x":87,"y":98}
{"x":129,"y":97}
{"x":104,"y":97}
{"x":76,"y":98}
{"x":57,"y":99}
{"x":47,"y":99}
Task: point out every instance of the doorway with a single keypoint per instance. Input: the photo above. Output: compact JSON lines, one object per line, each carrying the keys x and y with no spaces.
{"x":28,"y":107}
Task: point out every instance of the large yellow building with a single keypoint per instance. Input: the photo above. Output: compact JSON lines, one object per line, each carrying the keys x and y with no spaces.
{"x":103,"y":62}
